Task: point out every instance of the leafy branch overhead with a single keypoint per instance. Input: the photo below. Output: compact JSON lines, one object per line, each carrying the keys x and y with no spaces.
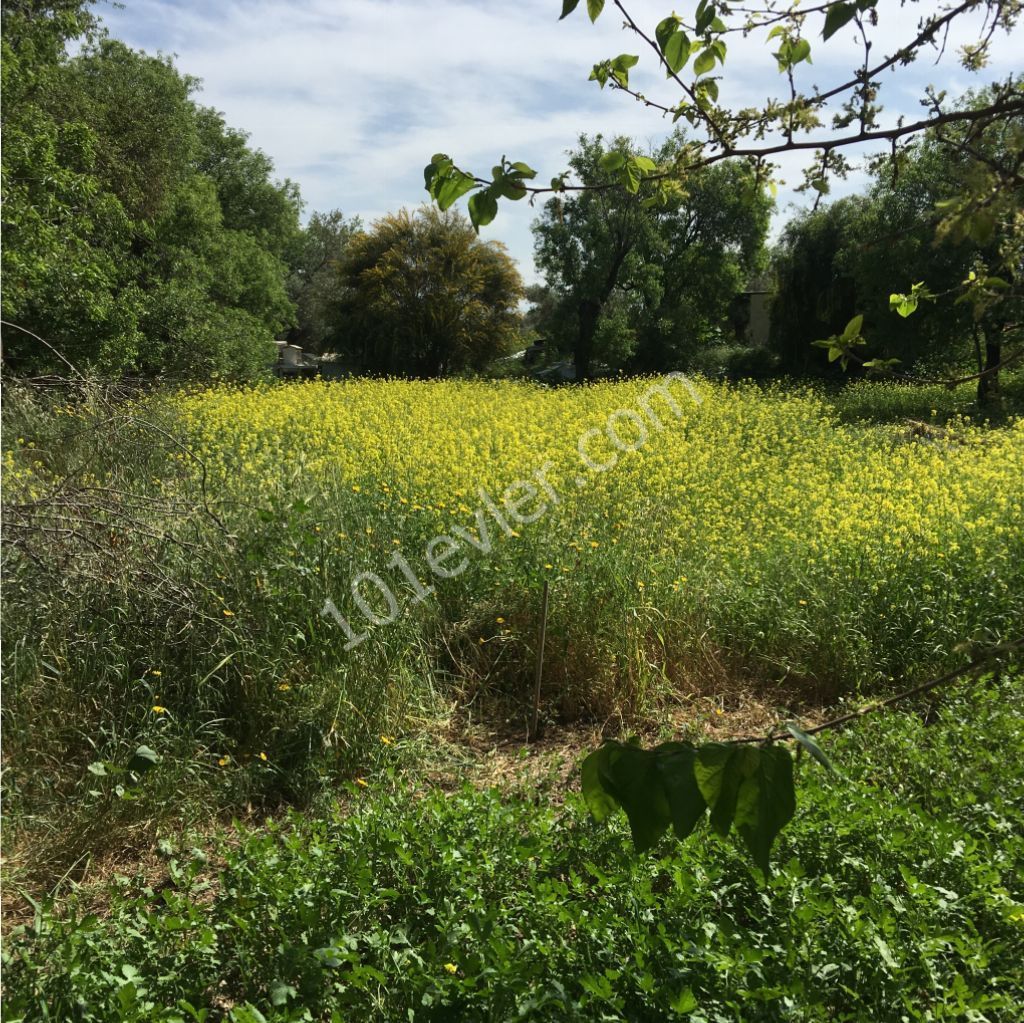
{"x":692,"y":52}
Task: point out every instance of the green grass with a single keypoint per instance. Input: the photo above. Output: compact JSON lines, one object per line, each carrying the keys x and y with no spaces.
{"x":898,"y":895}
{"x":721,"y":560}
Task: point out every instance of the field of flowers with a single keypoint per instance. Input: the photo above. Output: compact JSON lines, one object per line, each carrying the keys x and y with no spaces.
{"x":261,"y":587}
{"x":685,"y":535}
{"x":223,"y":602}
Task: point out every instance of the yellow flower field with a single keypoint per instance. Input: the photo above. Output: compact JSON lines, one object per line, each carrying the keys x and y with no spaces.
{"x":747,"y":528}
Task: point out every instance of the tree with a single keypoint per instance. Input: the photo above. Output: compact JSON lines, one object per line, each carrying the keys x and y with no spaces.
{"x":815,"y":296}
{"x":593,"y":246}
{"x":140,"y":232}
{"x":312,"y":285}
{"x":420,"y":295}
{"x":849,"y":257}
{"x":692,"y":51}
{"x":643,"y":278}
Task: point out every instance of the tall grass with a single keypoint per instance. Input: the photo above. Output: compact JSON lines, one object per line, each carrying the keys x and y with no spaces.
{"x":168,"y":559}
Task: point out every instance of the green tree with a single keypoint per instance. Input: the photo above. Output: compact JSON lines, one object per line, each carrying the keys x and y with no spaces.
{"x":846,"y":258}
{"x":815,"y":296}
{"x":313,"y":284}
{"x":822,"y":119}
{"x":420,"y":295}
{"x":140,"y":232}
{"x":593,"y":246}
{"x":645,"y":277}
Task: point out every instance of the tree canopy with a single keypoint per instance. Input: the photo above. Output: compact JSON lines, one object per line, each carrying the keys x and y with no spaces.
{"x":823,"y":120}
{"x":141,"y":233}
{"x":420,"y":295}
{"x":643,"y":278}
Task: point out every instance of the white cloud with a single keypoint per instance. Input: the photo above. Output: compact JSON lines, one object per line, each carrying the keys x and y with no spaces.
{"x":351,"y":97}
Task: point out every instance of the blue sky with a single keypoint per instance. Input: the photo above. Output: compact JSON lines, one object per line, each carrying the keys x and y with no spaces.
{"x":350,"y":98}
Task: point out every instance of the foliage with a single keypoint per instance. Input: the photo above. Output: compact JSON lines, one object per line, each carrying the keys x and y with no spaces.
{"x":419,"y":295}
{"x":642,"y":279}
{"x":824,"y":117}
{"x":897,"y":897}
{"x":850,"y":256}
{"x":140,"y":232}
{"x":755,"y":541}
{"x":313,"y":285}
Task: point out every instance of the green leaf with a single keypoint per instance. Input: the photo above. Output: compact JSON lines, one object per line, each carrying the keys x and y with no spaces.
{"x":684,"y":1002}
{"x":456,"y":184}
{"x":483,"y":208}
{"x":808,"y":743}
{"x":706,"y":14}
{"x":600,"y":804}
{"x":430,"y":172}
{"x":630,"y":776}
{"x":676,"y":769}
{"x":594,"y":9}
{"x":665,"y":30}
{"x":524,"y":169}
{"x":801,"y":51}
{"x":280,"y":992}
{"x":612,"y":162}
{"x":630,"y":175}
{"x":719,"y":771}
{"x":645,"y":163}
{"x":98,"y":768}
{"x":836,"y":17}
{"x":852,"y":329}
{"x":704,"y":63}
{"x":677,"y":51}
{"x":903,"y":304}
{"x":510,"y":188}
{"x":144,"y":760}
{"x":568,"y":6}
{"x":765,"y":802}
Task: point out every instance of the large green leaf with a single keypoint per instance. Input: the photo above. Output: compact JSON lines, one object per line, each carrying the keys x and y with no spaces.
{"x":801,"y":51}
{"x":686,"y":805}
{"x":765,"y":801}
{"x":483,"y":208}
{"x":456,"y":184}
{"x":719,"y":769}
{"x":599,"y":802}
{"x":630,"y":775}
{"x":568,"y":6}
{"x":704,"y":63}
{"x":677,"y":51}
{"x":612,"y":162}
{"x":836,"y":17}
{"x":666,"y":27}
{"x":594,"y":9}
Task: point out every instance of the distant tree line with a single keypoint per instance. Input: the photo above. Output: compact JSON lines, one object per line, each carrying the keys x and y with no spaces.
{"x":142,"y":234}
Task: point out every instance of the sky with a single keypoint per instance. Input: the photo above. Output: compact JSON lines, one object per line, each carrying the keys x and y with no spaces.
{"x":351,"y":98}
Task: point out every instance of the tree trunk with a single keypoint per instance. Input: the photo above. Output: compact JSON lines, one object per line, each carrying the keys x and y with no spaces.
{"x":589,"y":313}
{"x":988,"y":383}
